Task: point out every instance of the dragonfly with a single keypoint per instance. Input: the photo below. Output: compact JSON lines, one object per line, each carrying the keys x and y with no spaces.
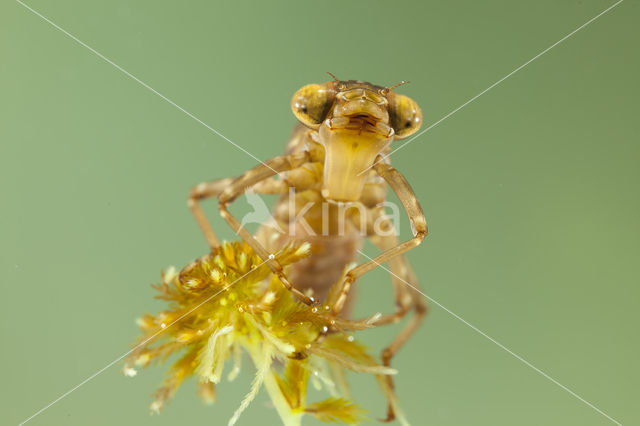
{"x":333,"y":180}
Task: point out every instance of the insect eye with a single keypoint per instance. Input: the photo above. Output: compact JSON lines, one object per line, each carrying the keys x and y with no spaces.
{"x":312,"y":103}
{"x":404,"y":115}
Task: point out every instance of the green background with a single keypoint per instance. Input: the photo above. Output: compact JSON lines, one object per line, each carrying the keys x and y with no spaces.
{"x":532,"y":194}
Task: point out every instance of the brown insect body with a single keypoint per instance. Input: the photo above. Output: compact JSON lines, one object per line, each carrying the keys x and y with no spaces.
{"x":333,"y":181}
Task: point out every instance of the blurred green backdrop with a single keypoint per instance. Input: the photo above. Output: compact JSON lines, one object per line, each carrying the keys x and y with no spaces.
{"x":532,"y":194}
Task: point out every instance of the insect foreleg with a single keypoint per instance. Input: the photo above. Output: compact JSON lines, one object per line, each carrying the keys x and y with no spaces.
{"x":247,"y":180}
{"x":401,"y":187}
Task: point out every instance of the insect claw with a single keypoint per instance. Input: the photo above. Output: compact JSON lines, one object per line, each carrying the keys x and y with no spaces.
{"x":391,"y":415}
{"x":314,"y":302}
{"x":299,"y":355}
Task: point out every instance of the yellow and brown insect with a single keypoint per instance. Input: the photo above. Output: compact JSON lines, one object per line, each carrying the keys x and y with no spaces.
{"x":335,"y":158}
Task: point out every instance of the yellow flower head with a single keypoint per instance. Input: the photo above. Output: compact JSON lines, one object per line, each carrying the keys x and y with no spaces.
{"x":228,"y":302}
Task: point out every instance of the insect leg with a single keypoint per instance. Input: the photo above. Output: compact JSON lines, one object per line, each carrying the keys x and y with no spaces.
{"x":402,"y":276}
{"x":200,"y":192}
{"x":249,"y":179}
{"x":406,"y":298}
{"x":210,"y":189}
{"x":398,"y":342}
{"x":392,"y":252}
{"x":401,"y":187}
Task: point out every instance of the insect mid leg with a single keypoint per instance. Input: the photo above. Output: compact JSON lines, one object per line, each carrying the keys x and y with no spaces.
{"x":213,"y":188}
{"x":401,"y":272}
{"x":253,"y":178}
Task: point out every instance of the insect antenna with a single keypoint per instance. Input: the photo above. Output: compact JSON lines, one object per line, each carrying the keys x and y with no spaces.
{"x":334,"y":77}
{"x":397,"y":85}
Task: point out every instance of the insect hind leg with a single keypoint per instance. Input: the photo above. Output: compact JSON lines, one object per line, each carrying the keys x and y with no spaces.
{"x":408,"y":297}
{"x":420,"y":310}
{"x":404,"y":305}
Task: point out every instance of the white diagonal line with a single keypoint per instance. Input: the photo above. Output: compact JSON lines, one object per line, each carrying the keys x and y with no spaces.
{"x":431,"y":126}
{"x":500,"y":345}
{"x":91,"y":377}
{"x":142,"y":83}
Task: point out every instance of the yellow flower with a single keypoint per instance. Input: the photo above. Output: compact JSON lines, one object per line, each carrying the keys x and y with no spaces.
{"x":228,"y":302}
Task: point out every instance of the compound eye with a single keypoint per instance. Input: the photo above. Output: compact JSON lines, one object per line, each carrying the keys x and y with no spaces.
{"x":405,"y":115}
{"x":312,"y":103}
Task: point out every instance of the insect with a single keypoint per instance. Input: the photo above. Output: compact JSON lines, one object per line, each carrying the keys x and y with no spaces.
{"x":333,"y":178}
